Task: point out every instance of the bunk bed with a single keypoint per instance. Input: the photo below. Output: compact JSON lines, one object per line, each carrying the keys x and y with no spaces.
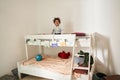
{"x":54,"y":68}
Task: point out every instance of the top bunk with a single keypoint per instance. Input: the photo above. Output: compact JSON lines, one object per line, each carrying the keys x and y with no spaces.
{"x":52,"y":40}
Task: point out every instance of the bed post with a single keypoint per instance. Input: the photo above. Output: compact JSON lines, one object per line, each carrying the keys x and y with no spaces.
{"x":41,"y":50}
{"x":19,"y":74}
{"x":72,"y":61}
{"x":26,"y":51}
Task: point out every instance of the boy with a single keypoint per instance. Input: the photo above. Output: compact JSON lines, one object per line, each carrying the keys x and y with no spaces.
{"x":56,"y":29}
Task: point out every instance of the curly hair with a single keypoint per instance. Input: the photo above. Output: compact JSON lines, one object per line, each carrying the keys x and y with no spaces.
{"x":56,"y":19}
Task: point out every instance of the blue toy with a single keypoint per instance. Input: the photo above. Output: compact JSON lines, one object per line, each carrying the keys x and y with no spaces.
{"x":38,"y":57}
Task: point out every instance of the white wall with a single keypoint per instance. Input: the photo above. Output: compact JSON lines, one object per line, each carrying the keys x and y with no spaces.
{"x":106,"y":20}
{"x":17,"y":18}
{"x":21,"y":17}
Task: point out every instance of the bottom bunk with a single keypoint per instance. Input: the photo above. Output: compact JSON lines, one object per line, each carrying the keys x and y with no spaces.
{"x":51,"y":68}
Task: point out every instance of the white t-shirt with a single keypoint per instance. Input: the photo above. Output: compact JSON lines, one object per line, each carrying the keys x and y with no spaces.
{"x":57,"y":30}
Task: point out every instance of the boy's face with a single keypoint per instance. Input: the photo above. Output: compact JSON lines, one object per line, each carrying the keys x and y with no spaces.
{"x":56,"y":23}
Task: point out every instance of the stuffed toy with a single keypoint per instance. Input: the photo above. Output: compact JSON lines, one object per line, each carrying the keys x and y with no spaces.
{"x":64,"y":55}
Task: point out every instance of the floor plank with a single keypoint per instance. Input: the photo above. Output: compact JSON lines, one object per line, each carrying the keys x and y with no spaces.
{"x":34,"y":78}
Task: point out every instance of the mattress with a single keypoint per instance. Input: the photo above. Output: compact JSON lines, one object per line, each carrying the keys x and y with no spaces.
{"x":57,"y":65}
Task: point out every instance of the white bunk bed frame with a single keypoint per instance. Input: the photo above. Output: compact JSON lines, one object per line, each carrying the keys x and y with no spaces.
{"x":45,"y":73}
{"x":35,"y":71}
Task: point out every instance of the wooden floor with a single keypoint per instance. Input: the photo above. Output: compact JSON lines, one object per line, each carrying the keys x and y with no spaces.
{"x":34,"y":78}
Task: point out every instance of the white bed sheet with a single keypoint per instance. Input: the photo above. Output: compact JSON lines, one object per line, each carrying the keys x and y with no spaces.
{"x":58,"y":65}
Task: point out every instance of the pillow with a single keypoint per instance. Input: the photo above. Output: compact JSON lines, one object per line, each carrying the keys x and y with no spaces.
{"x":79,"y":33}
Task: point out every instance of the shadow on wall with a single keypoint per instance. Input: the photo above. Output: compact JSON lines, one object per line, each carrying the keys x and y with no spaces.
{"x":104,"y":61}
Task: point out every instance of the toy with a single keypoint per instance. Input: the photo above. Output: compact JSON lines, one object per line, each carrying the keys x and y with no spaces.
{"x":38,"y":57}
{"x":64,"y":55}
